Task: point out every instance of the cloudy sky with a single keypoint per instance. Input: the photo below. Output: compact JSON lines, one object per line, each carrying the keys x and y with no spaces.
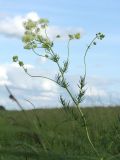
{"x":87,"y":17}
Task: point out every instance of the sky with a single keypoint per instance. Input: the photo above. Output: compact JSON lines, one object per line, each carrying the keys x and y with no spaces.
{"x":87,"y":17}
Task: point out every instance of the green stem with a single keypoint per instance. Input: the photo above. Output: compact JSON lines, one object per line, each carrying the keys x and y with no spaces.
{"x":73,"y":99}
{"x":85,"y":122}
{"x":37,"y":53}
{"x":81,"y":113}
{"x":86,"y":51}
{"x":36,"y":76}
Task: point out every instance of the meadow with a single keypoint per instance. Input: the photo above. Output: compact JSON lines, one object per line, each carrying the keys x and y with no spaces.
{"x":53,"y":134}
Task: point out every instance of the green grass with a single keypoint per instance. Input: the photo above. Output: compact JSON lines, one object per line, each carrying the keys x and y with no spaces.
{"x":22,"y":136}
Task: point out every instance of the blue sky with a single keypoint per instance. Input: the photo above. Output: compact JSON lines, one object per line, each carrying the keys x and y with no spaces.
{"x":88,"y":16}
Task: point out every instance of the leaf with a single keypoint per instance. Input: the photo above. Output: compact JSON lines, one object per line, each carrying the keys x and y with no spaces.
{"x":77,"y":36}
{"x":15,"y":58}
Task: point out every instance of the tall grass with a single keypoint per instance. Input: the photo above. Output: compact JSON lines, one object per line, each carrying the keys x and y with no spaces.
{"x":64,"y":138}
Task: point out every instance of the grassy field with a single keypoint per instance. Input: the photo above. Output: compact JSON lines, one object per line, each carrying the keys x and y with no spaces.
{"x":52,"y":134}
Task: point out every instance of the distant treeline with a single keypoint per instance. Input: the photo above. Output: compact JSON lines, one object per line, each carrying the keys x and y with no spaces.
{"x":2,"y":107}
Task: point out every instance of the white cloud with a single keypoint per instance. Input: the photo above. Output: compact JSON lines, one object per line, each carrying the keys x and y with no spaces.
{"x":32,"y":15}
{"x":99,"y":90}
{"x":64,"y":32}
{"x":16,"y":65}
{"x":94,"y":91}
{"x":41,"y":91}
{"x":13,"y":26}
{"x":17,"y":77}
{"x":3,"y":76}
{"x":3,"y":73}
{"x":42,"y":59}
{"x":48,"y":85}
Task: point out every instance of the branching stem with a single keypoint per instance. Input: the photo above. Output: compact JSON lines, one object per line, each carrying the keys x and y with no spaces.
{"x":86,"y":51}
{"x":48,"y":46}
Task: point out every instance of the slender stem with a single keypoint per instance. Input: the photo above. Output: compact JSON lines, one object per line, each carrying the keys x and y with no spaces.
{"x":86,"y":51}
{"x":43,"y":77}
{"x":84,"y":120}
{"x":37,"y":53}
{"x":36,"y":76}
{"x":87,"y":132}
{"x":35,"y":113}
